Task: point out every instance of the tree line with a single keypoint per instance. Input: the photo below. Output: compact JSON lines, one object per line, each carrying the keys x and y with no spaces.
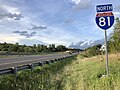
{"x":9,"y":48}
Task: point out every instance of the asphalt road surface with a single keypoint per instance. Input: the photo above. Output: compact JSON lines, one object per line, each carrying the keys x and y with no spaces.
{"x":23,"y":60}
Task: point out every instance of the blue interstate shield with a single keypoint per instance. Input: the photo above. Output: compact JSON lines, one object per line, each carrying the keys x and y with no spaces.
{"x":105,"y":20}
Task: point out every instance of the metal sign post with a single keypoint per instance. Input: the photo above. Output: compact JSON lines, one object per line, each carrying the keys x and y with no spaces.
{"x":104,"y":20}
{"x":106,"y":51}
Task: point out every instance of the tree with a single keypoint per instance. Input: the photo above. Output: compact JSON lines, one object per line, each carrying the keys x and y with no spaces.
{"x":114,"y":43}
{"x":15,"y":47}
{"x":21,"y":50}
{"x":94,"y":50}
{"x":44,"y":48}
{"x":61,"y":48}
{"x":5,"y":46}
{"x":52,"y":48}
{"x":0,"y":47}
{"x":41,"y":48}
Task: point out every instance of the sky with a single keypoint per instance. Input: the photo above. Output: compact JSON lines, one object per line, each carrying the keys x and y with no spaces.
{"x":51,"y":21}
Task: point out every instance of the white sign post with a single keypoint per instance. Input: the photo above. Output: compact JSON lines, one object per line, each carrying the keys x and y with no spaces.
{"x":104,"y":20}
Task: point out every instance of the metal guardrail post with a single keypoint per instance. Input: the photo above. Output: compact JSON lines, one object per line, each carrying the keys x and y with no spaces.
{"x":61,"y":59}
{"x":56,"y":60}
{"x":47,"y":62}
{"x":31,"y":66}
{"x":41,"y":64}
{"x":52,"y":61}
{"x":15,"y":72}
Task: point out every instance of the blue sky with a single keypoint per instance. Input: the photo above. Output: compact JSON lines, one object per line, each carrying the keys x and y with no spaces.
{"x":51,"y":21}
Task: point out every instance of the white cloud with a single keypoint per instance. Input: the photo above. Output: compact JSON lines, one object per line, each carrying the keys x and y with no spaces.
{"x":29,"y":41}
{"x":116,"y":13}
{"x":9,"y":9}
{"x":117,"y":8}
{"x":58,"y":36}
{"x":76,"y":1}
{"x":69,"y":20}
{"x":9,"y":13}
{"x":79,"y":4}
{"x":9,"y":38}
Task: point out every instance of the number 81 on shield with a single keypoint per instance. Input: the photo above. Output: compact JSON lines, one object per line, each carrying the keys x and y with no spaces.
{"x":105,"y":20}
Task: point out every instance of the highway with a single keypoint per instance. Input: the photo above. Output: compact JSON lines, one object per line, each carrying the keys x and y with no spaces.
{"x":23,"y":60}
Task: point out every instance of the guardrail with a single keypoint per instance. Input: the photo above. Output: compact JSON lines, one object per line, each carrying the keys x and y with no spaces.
{"x":43,"y":78}
{"x":14,"y":70}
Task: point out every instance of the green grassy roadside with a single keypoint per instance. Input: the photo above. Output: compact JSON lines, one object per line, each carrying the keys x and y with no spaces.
{"x":86,"y":74}
{"x":76,"y":73}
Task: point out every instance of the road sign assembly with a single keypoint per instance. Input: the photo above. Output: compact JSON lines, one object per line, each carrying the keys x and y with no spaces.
{"x":105,"y":19}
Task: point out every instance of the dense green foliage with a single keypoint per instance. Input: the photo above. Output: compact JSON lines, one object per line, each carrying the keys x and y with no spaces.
{"x":7,"y":48}
{"x":92,"y":51}
{"x":114,"y":43}
{"x":61,"y":48}
{"x":16,"y":48}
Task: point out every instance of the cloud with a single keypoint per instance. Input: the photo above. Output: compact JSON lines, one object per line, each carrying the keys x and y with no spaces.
{"x":29,"y":41}
{"x":9,"y":38}
{"x":84,"y":4}
{"x":75,"y":1}
{"x":20,"y":32}
{"x":11,"y":16}
{"x":116,"y":13}
{"x":79,"y":4}
{"x":7,"y":13}
{"x":117,"y":7}
{"x":25,"y":33}
{"x":68,"y":21}
{"x":34,"y":27}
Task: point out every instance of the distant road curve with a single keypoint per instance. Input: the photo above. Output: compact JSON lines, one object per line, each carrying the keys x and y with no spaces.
{"x":23,"y":60}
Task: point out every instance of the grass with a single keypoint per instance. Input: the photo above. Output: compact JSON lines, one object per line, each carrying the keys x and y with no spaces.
{"x":79,"y":73}
{"x":88,"y":74}
{"x":41,"y":78}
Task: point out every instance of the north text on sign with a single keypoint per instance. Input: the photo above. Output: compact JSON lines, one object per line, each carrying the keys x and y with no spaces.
{"x":104,"y":8}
